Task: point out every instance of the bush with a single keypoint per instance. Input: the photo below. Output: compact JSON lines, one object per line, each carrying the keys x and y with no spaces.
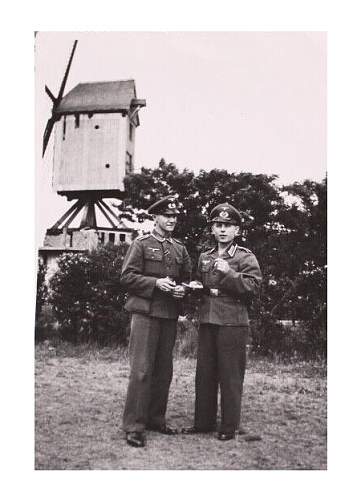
{"x":85,"y":304}
{"x":306,"y":340}
{"x":41,"y":289}
{"x":86,"y":297}
{"x":268,"y":336}
{"x":41,"y":297}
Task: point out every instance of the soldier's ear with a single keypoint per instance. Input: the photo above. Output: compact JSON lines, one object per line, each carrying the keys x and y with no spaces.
{"x":237,"y":231}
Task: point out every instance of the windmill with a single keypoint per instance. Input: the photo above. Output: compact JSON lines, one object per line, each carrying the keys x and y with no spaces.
{"x":94,"y":132}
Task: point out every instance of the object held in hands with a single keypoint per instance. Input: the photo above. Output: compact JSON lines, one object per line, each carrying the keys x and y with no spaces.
{"x":193,"y":285}
{"x":166,"y":285}
{"x":221,"y":265}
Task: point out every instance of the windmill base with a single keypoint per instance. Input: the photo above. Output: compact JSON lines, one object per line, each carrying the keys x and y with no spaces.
{"x":89,"y":234}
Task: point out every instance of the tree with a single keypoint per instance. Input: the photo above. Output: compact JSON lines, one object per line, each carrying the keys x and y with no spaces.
{"x":256,"y":195}
{"x":289,"y":239}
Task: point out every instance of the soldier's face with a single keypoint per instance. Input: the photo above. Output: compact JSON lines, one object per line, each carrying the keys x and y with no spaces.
{"x":166,"y":222}
{"x":224,"y":232}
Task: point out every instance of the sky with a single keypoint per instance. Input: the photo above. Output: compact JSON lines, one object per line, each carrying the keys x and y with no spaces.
{"x":242,"y":101}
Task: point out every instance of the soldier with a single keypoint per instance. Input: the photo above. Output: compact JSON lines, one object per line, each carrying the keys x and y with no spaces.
{"x":230,"y":275}
{"x":153,"y":270}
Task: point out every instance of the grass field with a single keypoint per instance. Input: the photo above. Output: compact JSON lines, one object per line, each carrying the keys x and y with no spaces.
{"x":79,"y":397}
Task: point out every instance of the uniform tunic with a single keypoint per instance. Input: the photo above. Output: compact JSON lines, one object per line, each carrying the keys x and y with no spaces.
{"x":225,"y":302}
{"x":221,"y":357}
{"x":153,"y":326}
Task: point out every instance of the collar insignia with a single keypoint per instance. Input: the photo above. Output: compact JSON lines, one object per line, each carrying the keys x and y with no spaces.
{"x":232,"y":250}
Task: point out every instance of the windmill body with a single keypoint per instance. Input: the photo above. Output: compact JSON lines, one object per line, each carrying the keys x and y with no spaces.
{"x":94,"y":137}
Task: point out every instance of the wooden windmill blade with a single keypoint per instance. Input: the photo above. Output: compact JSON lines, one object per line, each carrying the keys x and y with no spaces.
{"x":56,"y":101}
{"x":47,"y":133}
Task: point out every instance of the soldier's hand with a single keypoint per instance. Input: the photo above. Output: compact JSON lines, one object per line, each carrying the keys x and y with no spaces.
{"x":221,"y":265}
{"x":179,"y":292}
{"x":165,"y":284}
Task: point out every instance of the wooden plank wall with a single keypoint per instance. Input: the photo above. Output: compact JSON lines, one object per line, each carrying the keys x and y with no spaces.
{"x":90,"y":156}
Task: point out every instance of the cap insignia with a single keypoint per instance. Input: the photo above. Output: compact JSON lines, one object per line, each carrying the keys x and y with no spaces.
{"x":224,"y":214}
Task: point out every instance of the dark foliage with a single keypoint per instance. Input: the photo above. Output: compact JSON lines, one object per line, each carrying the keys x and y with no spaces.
{"x":86,"y":297}
{"x":288,"y":238}
{"x":41,"y":296}
{"x":284,"y":226}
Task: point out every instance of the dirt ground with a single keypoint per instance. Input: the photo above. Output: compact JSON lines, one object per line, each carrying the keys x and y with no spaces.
{"x":79,"y":401}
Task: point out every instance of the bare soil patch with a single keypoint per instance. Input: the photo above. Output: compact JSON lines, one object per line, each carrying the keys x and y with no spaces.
{"x":79,"y":399}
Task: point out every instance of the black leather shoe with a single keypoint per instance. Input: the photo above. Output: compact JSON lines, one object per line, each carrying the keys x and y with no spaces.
{"x":164,"y":429}
{"x":195,"y":430}
{"x":225,"y":436}
{"x":136,"y":439}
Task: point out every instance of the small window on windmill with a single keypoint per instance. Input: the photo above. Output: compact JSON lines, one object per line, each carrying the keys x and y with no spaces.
{"x":128,"y":163}
{"x":111,"y":238}
{"x":101,"y":237}
{"x":64,"y":128}
{"x":121,"y":237}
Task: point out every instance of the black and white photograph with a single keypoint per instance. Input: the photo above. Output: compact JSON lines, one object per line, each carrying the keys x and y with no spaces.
{"x":181,"y":236}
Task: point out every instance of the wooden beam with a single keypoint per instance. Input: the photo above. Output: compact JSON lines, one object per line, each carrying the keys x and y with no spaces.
{"x":66,"y":215}
{"x":109,"y":210}
{"x":105,"y":214}
{"x":72,"y":217}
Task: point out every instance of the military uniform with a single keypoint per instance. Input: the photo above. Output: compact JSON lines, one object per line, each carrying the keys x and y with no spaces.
{"x":153,"y":326}
{"x":221,"y":358}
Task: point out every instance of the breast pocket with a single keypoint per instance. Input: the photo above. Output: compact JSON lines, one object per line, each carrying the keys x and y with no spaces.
{"x":178,"y":265}
{"x":153,"y":261}
{"x":206,"y":271}
{"x":206,"y":266}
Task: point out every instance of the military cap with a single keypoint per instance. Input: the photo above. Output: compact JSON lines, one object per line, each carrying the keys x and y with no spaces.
{"x":226,"y":213}
{"x":167,"y":205}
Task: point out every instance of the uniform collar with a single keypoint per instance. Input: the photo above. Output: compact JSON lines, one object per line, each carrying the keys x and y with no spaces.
{"x":231,"y":250}
{"x":160,"y":238}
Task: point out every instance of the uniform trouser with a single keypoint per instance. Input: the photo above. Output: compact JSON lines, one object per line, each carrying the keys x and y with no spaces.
{"x":221,"y":362}
{"x":151,"y":370}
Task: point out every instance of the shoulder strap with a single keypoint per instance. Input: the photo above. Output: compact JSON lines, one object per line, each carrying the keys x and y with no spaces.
{"x":244,"y":249}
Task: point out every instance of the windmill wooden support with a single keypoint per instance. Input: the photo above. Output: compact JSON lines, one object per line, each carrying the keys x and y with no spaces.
{"x":94,"y":142}
{"x":88,"y":219}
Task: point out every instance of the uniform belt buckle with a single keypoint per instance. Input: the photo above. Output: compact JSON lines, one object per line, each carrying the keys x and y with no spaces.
{"x":213,"y":292}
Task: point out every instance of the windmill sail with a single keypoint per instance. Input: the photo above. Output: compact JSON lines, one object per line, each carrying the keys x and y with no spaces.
{"x":56,"y":100}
